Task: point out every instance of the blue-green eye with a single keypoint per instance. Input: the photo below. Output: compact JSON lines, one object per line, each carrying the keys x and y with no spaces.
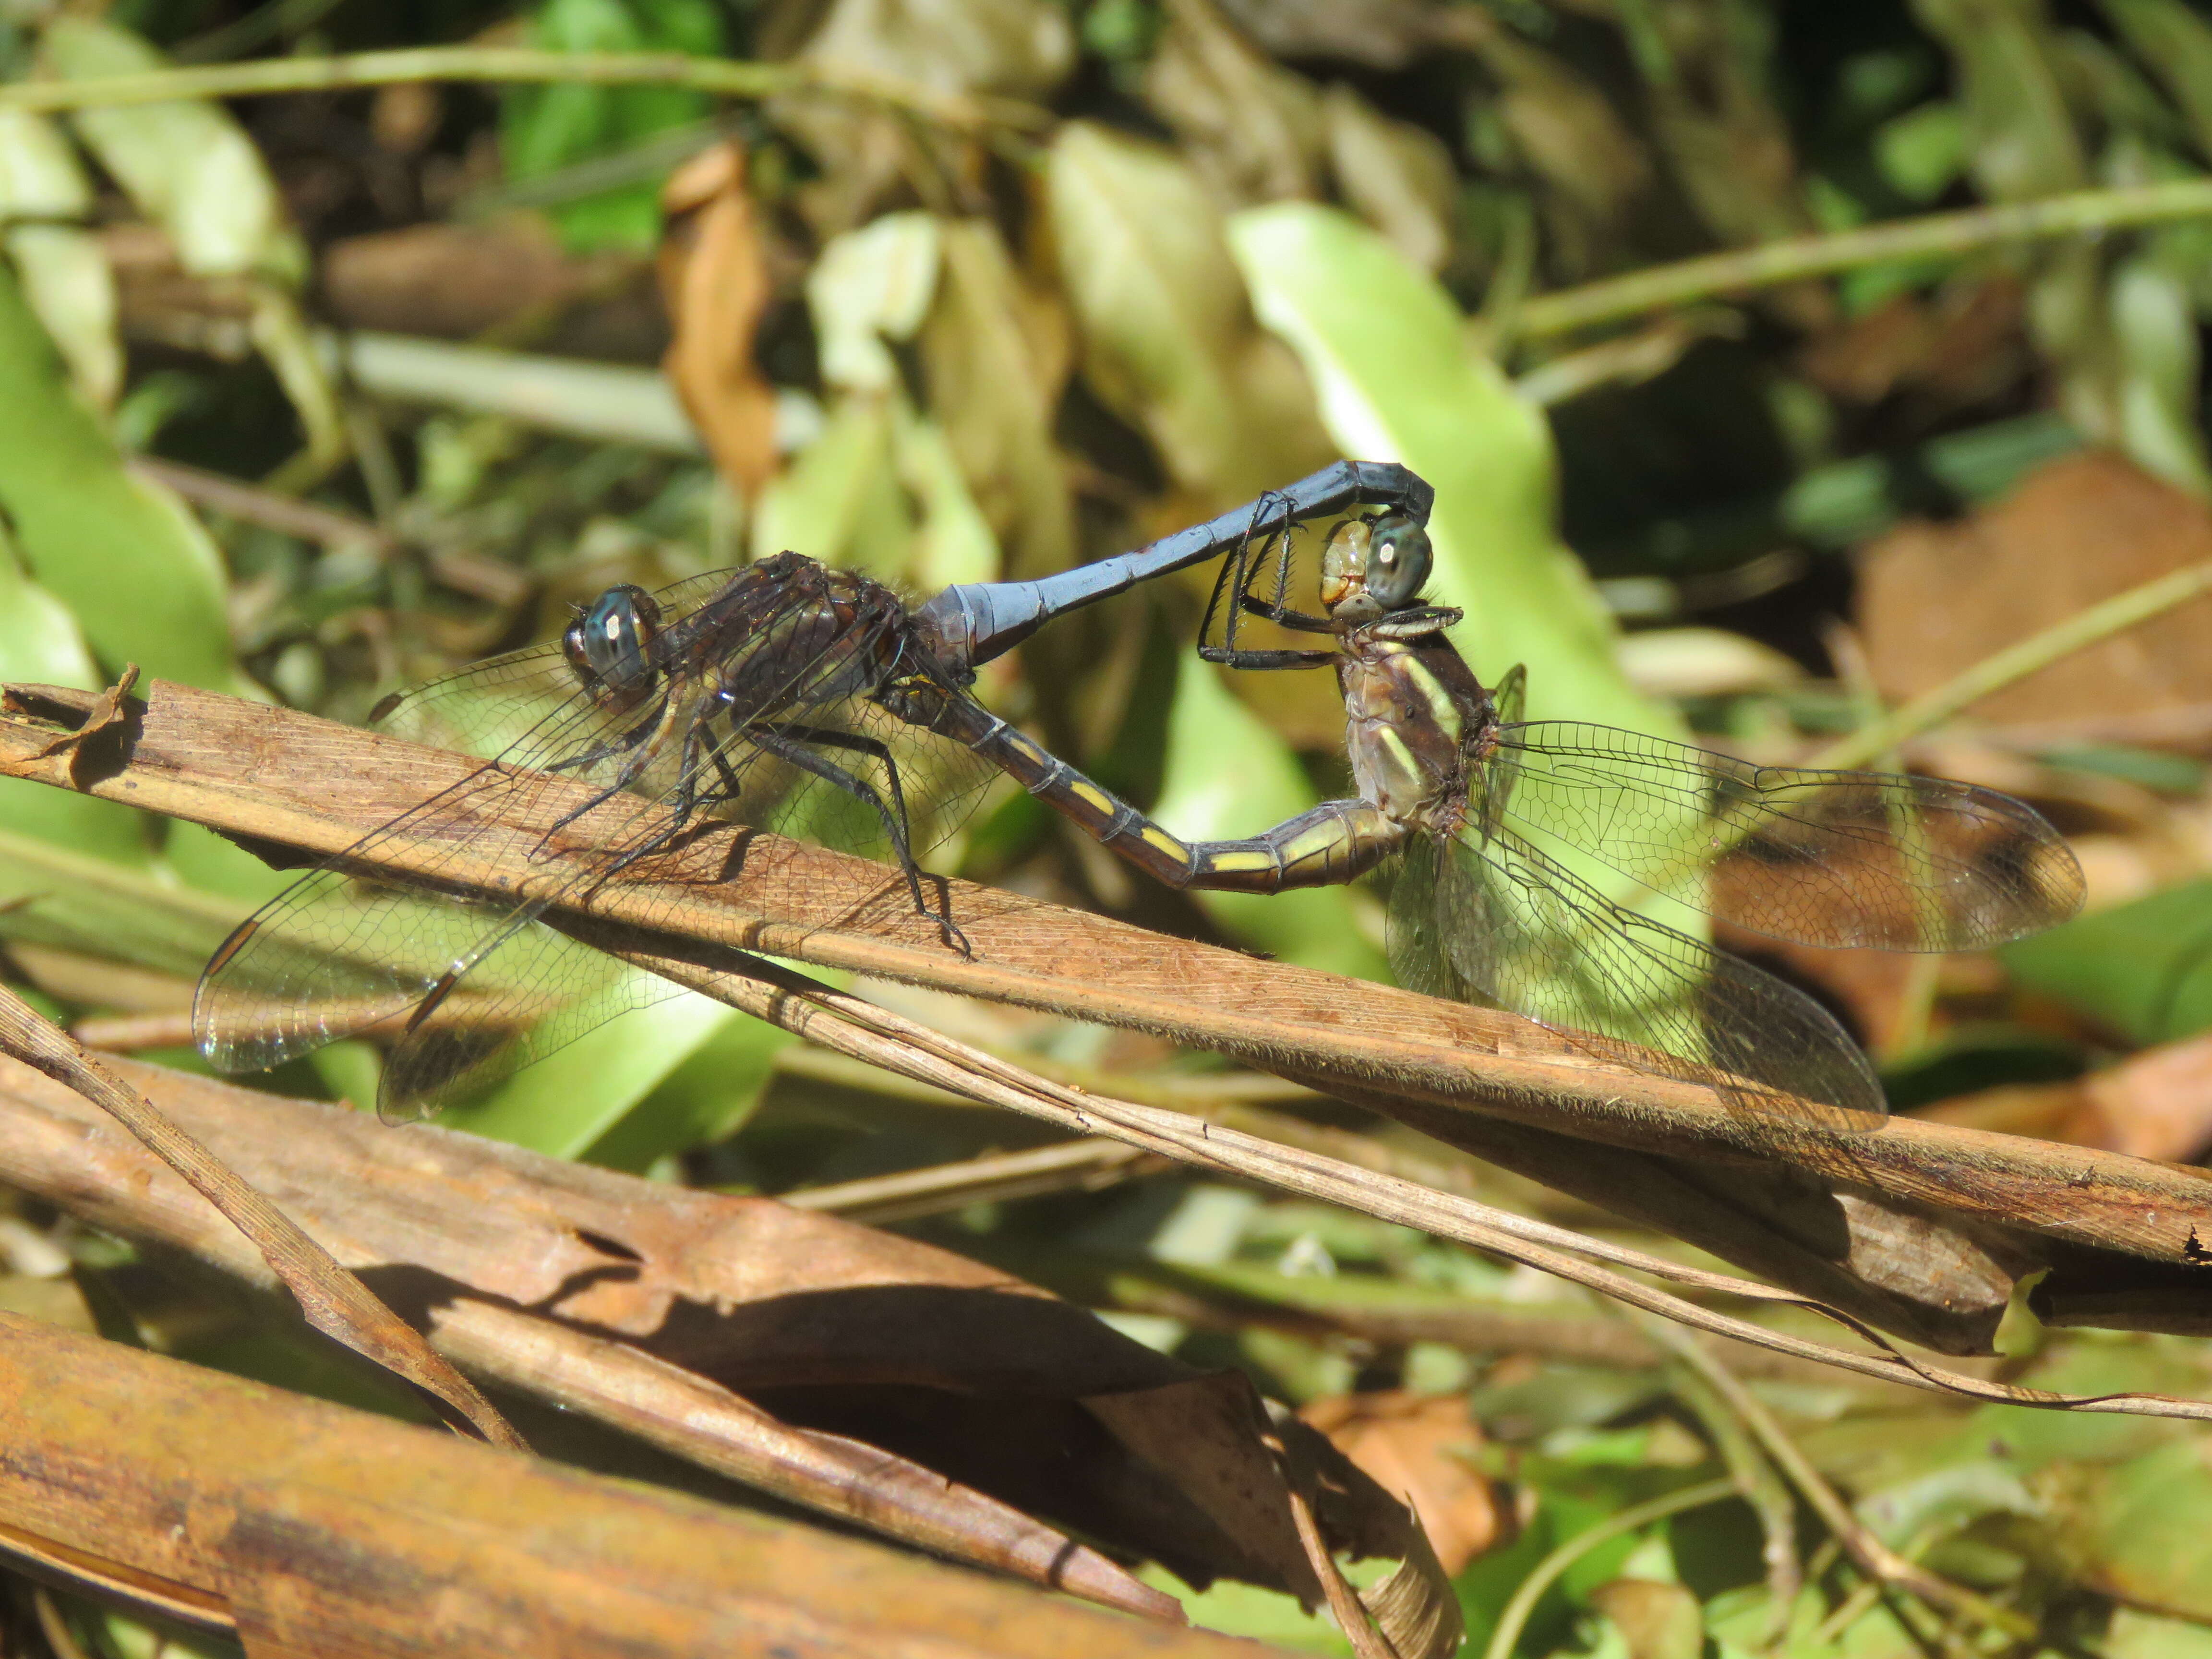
{"x":607,"y":645}
{"x":1398,"y":560}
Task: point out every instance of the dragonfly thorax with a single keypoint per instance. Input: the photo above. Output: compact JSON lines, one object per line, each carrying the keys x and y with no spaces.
{"x":608,"y":645}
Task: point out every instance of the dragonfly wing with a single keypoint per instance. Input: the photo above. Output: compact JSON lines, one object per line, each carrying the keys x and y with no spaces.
{"x":526,"y":707}
{"x":1499,"y":922}
{"x":1825,"y":858}
{"x":329,"y":958}
{"x":538,"y":994}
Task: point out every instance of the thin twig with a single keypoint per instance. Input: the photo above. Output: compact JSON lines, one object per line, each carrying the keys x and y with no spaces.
{"x":1762,"y":1488}
{"x":334,"y":1301}
{"x":1872,"y":1556}
{"x":1797,"y":257}
{"x":2016,"y":661}
{"x":838,"y":1019}
{"x":1546,"y":1573}
{"x":718,"y":77}
{"x":1074,"y":1165}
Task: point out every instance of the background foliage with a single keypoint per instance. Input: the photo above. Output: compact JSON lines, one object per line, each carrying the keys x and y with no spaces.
{"x":1115,"y":266}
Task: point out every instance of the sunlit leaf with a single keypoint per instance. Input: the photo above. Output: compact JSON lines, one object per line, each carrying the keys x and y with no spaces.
{"x":128,"y":559}
{"x":583,"y":1090}
{"x":1388,"y":352}
{"x":1228,"y":774}
{"x":188,"y":164}
{"x":1167,"y":337}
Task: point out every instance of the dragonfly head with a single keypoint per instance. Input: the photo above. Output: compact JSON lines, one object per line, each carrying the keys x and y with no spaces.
{"x":1372,"y":567}
{"x":608,"y":642}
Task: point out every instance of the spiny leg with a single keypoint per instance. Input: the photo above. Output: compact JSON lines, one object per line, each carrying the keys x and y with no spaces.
{"x":787,"y":743}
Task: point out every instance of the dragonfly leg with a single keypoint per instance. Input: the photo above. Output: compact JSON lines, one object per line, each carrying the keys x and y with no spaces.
{"x":1333,"y":842}
{"x":788,"y":743}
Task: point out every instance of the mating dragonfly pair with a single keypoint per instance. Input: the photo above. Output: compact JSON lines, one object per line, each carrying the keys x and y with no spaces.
{"x":811,"y":701}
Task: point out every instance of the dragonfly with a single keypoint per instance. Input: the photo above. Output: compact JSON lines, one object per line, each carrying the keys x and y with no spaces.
{"x":1492,"y":824}
{"x":784,"y":695}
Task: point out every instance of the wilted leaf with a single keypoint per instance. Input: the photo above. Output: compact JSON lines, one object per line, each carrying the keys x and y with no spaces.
{"x":1708,"y":69}
{"x":869,"y":286}
{"x":714,"y":283}
{"x":188,"y":165}
{"x":1422,"y":1448}
{"x":1396,"y":176}
{"x":65,"y":275}
{"x":1169,"y":340}
{"x":840,"y":500}
{"x":1658,"y":1620}
{"x":1250,"y":126}
{"x":1934,"y":599}
{"x":1568,"y":131}
{"x":995,"y":350}
{"x":1015,"y":48}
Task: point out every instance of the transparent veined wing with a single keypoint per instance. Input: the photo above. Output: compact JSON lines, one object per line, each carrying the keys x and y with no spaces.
{"x":1826,"y":857}
{"x":759,"y":733}
{"x":526,"y":706}
{"x":1497,"y":922}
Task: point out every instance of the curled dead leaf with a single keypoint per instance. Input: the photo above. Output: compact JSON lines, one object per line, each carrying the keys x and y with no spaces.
{"x":1421,"y":1448}
{"x":714,"y":281}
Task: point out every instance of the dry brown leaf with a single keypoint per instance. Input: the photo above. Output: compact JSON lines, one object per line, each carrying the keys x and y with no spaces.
{"x":2157,"y":1103}
{"x":334,"y":1301}
{"x":1965,"y":345}
{"x":1934,"y":599}
{"x":1658,"y":1620}
{"x":301,"y":1527}
{"x":884,"y":1381}
{"x":1910,"y":1226}
{"x":1421,"y":1448}
{"x":715,"y":281}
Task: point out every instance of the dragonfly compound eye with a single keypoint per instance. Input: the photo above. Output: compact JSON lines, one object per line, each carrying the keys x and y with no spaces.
{"x":1398,"y":562}
{"x":607,"y":645}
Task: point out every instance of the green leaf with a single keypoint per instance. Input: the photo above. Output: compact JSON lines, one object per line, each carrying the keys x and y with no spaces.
{"x":126,"y":555}
{"x":1229,"y":774}
{"x":545,"y":128}
{"x":1167,"y":337}
{"x":1922,"y":153}
{"x":2144,"y":968}
{"x":40,"y":645}
{"x":2148,"y":1527}
{"x":568,"y":1102}
{"x":705,"y":1099}
{"x":2174,"y":41}
{"x":1386,"y":350}
{"x":188,"y":163}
